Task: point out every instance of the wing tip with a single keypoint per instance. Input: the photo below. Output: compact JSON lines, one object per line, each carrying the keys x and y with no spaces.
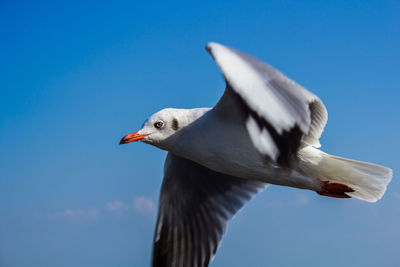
{"x":211,"y":46}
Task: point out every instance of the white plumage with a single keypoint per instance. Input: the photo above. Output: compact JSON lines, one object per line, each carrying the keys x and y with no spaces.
{"x":264,"y":130}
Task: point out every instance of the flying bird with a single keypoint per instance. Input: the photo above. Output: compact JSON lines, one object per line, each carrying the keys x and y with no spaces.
{"x":264,"y":130}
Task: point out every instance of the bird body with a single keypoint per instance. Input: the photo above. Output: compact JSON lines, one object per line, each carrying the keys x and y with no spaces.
{"x":264,"y":130}
{"x":223,"y":145}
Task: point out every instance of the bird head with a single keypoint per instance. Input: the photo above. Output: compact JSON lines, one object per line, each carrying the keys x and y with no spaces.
{"x":162,"y":125}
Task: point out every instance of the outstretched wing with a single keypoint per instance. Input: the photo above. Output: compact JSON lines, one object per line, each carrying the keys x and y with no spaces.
{"x":195,"y":206}
{"x":280,"y":113}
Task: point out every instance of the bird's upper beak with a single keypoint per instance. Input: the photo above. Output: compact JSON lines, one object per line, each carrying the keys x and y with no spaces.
{"x":133,"y":137}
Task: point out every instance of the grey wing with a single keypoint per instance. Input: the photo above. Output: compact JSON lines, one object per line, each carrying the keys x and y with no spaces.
{"x":280,"y":114}
{"x":195,"y":206}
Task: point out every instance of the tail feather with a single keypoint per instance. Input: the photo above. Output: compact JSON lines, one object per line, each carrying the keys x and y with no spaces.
{"x":368,"y":181}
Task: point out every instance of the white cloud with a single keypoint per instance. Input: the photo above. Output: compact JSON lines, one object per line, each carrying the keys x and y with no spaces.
{"x":301,"y":200}
{"x":116,"y":206}
{"x":76,"y":214}
{"x":70,"y":213}
{"x":143,"y":204}
{"x":92,"y":213}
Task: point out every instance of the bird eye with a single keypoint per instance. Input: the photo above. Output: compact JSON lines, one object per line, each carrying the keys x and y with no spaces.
{"x":158,"y":124}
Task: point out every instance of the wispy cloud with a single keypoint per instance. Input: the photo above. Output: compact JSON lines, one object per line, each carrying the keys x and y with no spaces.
{"x":76,"y":214}
{"x":144,"y":204}
{"x":301,"y":200}
{"x":141,"y":204}
{"x":93,"y":213}
{"x":116,"y":206}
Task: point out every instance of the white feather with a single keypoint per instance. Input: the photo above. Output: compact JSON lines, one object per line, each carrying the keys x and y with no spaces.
{"x":369,"y":181}
{"x":262,"y":139}
{"x":252,"y":87}
{"x":273,"y":96}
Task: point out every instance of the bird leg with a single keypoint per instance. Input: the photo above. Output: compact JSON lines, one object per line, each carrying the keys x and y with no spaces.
{"x":335,"y":190}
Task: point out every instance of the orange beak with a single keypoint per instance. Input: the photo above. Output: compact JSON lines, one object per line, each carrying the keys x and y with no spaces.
{"x":133,"y":137}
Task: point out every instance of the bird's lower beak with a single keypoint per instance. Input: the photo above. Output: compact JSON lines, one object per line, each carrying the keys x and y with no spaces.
{"x":133,"y":137}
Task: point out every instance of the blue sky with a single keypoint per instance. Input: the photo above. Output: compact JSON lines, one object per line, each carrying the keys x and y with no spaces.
{"x":75,"y":77}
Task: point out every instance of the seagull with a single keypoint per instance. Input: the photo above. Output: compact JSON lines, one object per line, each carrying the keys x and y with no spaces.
{"x":264,"y":130}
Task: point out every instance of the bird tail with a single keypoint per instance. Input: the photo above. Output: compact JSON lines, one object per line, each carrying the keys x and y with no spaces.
{"x":345,"y":177}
